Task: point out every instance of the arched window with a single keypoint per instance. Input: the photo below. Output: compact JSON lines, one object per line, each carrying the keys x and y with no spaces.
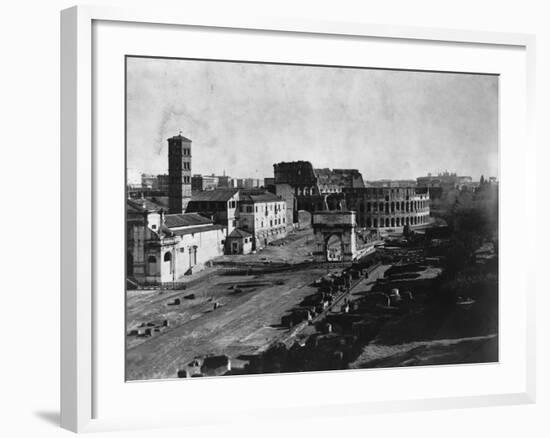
{"x":151,"y":259}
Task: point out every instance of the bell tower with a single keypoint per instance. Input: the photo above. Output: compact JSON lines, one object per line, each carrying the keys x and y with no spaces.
{"x":179,"y":172}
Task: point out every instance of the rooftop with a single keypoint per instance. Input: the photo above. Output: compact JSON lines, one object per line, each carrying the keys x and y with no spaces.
{"x":237,"y":232}
{"x":217,"y":195}
{"x":180,"y":137}
{"x":192,"y":230}
{"x":253,"y":196}
{"x":185,"y":220}
{"x":142,"y":205}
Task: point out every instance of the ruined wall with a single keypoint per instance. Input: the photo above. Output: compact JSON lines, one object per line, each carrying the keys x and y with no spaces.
{"x":389,"y":207}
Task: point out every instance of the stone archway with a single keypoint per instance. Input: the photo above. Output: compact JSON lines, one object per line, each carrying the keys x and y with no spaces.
{"x":334,"y":235}
{"x":334,"y":248}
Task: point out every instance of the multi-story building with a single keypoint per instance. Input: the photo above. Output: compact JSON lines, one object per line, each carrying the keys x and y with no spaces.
{"x":163,"y":248}
{"x":179,"y":171}
{"x":149,"y":181}
{"x":220,"y":205}
{"x":285,"y":192}
{"x":442,"y":183}
{"x":262,"y":214}
{"x":247,"y":183}
{"x":443,"y":179}
{"x":392,"y":183}
{"x":225,"y":182}
{"x":204,"y":182}
{"x":163,"y":182}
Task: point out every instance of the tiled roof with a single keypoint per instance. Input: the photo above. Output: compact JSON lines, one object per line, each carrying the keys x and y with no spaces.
{"x":237,"y":232}
{"x":142,"y":205}
{"x":185,"y":220}
{"x":253,"y":196}
{"x":193,"y":230}
{"x":218,"y":195}
{"x":180,"y":137}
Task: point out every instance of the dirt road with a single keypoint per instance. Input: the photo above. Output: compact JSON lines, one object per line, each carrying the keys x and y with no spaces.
{"x":247,"y":318}
{"x":244,"y":322}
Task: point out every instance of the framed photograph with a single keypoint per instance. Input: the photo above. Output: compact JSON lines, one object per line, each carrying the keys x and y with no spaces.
{"x":291,"y":218}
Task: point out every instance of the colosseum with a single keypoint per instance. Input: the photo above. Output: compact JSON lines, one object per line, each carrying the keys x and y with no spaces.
{"x":389,"y":207}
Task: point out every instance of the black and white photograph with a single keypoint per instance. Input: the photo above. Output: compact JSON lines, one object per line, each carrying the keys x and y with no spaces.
{"x":288,"y":218}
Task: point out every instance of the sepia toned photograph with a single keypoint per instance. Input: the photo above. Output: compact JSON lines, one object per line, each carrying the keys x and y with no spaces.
{"x":287,"y":218}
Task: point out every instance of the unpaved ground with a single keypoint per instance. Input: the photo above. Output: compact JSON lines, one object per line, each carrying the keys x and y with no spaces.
{"x":245,"y":322}
{"x":248,"y":316}
{"x":463,"y":335}
{"x":295,"y":248}
{"x":476,"y":349}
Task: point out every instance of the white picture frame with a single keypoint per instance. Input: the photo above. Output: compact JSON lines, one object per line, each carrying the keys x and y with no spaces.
{"x":79,"y":214}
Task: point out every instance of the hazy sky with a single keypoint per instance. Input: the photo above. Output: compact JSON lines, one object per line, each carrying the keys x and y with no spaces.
{"x":242,"y":118}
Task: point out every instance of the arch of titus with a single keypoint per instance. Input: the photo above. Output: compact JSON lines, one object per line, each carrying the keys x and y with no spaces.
{"x":334,"y":234}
